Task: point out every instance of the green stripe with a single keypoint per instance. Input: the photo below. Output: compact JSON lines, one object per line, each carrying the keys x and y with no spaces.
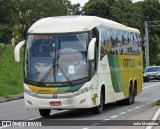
{"x":75,"y":88}
{"x":70,"y":89}
{"x":116,"y":75}
{"x":62,"y":89}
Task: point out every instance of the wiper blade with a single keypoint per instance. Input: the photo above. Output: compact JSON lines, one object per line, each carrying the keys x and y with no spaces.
{"x":47,"y":73}
{"x":64,"y":75}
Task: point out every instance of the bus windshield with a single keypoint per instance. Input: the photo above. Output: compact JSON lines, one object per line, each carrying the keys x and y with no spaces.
{"x":56,"y":58}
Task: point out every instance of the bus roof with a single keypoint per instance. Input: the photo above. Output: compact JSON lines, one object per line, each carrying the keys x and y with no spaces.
{"x":65,"y":24}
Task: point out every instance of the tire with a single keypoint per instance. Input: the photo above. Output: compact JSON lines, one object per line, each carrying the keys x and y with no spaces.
{"x":99,"y":109}
{"x":128,"y":101}
{"x":133,"y":95}
{"x":44,"y":112}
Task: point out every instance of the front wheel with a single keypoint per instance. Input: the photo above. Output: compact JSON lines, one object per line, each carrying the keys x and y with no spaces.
{"x":44,"y":112}
{"x":99,"y":109}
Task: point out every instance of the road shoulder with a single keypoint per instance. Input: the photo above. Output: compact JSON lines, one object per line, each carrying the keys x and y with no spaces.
{"x":12,"y":97}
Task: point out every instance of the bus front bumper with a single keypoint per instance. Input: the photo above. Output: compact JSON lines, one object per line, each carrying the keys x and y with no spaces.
{"x":77,"y":102}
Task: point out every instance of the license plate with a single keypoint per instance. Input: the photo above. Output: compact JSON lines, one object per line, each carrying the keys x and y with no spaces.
{"x":55,"y":103}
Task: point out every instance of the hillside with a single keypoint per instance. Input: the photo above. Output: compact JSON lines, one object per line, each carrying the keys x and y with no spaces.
{"x":11,"y":73}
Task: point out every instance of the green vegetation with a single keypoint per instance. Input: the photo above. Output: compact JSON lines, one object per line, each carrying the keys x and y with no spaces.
{"x":11,"y":73}
{"x":158,"y":103}
{"x":18,"y":15}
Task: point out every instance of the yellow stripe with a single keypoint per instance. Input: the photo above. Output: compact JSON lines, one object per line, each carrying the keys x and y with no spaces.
{"x":45,"y":90}
{"x":42,"y":90}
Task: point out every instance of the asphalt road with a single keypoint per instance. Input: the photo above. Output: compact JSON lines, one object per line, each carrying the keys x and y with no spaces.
{"x":15,"y":110}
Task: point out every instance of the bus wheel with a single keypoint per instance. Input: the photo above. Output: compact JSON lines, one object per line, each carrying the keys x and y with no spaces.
{"x":134,"y":95}
{"x":128,"y":101}
{"x":44,"y":112}
{"x":99,"y":109}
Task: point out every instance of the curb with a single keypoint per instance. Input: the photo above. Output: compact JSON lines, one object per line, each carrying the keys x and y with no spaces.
{"x":13,"y":97}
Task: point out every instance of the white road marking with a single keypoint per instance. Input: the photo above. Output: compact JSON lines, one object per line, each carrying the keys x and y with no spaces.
{"x":141,"y":105}
{"x":122,"y":113}
{"x":155,"y":117}
{"x":34,"y":118}
{"x":151,"y":86}
{"x":137,"y":107}
{"x":149,"y":103}
{"x":130,"y":110}
{"x":5,"y":127}
{"x":86,"y":128}
{"x":95,"y":124}
{"x":114,"y":116}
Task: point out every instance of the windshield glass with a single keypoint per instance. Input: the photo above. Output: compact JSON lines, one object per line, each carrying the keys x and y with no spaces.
{"x":56,"y":58}
{"x":153,"y":69}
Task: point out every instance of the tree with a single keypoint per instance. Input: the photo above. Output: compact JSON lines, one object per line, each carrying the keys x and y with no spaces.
{"x":8,"y":12}
{"x":28,"y":13}
{"x":154,"y":46}
{"x":8,"y":17}
{"x":75,"y":9}
{"x":125,"y":12}
{"x":101,"y":8}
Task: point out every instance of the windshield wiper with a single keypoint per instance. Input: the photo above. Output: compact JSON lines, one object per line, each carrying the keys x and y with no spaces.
{"x":49,"y":70}
{"x":43,"y":78}
{"x":64,"y":75}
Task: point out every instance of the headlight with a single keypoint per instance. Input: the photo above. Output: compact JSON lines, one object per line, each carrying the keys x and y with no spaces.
{"x":144,"y":74}
{"x":29,"y":92}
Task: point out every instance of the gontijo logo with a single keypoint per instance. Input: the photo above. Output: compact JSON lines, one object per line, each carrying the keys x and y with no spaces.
{"x":129,"y":63}
{"x":44,"y":91}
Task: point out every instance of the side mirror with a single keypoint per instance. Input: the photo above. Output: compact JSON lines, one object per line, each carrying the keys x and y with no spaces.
{"x":17,"y":51}
{"x":91,"y":49}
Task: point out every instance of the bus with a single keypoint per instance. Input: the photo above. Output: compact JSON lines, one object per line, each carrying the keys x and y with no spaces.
{"x":75,"y":62}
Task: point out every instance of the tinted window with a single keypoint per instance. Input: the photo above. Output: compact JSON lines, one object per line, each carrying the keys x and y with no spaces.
{"x":106,"y":43}
{"x":153,"y":69}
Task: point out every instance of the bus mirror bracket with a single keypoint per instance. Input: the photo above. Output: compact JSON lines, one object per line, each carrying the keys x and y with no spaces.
{"x":91,"y":49}
{"x":17,"y":51}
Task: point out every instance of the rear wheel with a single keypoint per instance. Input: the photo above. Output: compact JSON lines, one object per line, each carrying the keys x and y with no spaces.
{"x":99,"y":109}
{"x":128,"y":101}
{"x":134,"y":95}
{"x":44,"y":112}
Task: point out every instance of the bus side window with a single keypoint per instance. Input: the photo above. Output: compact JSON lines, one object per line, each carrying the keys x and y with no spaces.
{"x":139,"y":42}
{"x":119,"y":40}
{"x":136,"y":45}
{"x":113,"y":40}
{"x":94,"y":63}
{"x":103,"y":41}
{"x":129,"y":44}
{"x":125,"y":44}
{"x":106,"y":42}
